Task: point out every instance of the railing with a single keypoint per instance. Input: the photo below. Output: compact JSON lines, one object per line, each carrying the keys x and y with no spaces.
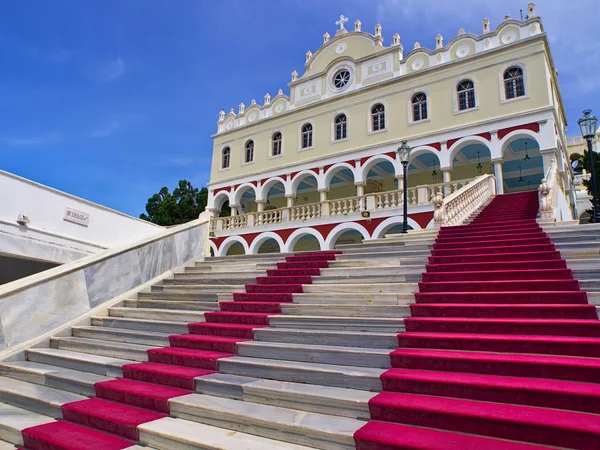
{"x":268,"y":217}
{"x":305,"y":212}
{"x":379,"y":201}
{"x":345,"y":206}
{"x":456,"y":208}
{"x":547,"y":192}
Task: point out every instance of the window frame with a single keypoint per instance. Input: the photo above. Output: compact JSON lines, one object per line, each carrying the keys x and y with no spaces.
{"x":309,"y":133}
{"x":227,"y":149}
{"x":343,"y":126}
{"x":276,"y":144}
{"x":378,"y":118}
{"x":424,"y":107}
{"x":456,"y":96}
{"x":502,"y":85}
{"x":249,"y":143}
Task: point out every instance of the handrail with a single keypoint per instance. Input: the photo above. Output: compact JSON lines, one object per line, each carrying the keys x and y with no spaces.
{"x":376,"y":201}
{"x":458,"y":206}
{"x":547,"y":192}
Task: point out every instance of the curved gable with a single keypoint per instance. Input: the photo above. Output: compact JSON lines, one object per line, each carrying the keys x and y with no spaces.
{"x":352,"y":45}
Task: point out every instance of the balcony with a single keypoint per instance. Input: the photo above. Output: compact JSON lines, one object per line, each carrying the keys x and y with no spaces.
{"x":379,"y":204}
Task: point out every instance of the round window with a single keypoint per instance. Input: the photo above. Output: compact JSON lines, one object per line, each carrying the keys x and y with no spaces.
{"x":341,"y":78}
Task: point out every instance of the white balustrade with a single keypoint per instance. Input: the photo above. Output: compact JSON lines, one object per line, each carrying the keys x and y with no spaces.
{"x":269,"y":217}
{"x":345,"y":206}
{"x":305,"y":212}
{"x":457,"y":207}
{"x":548,"y":191}
{"x":420,"y":195}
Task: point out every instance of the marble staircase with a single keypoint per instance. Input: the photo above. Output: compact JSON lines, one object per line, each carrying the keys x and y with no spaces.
{"x":304,"y":381}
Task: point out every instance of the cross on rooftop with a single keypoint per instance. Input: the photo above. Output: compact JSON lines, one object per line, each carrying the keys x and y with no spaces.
{"x":341,"y":22}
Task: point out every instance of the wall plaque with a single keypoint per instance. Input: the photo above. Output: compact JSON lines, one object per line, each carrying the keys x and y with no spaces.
{"x":79,"y":217}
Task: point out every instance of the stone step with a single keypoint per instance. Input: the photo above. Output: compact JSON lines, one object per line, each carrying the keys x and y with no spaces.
{"x":393,"y":261}
{"x":6,"y":446}
{"x":83,"y":362}
{"x":150,"y":338}
{"x":404,"y":288}
{"x":321,"y":354}
{"x":202,"y":279}
{"x":111,"y":349}
{"x":590,"y":285}
{"x":204,"y":288}
{"x":588,"y":274}
{"x":179,"y":434}
{"x":413,"y":252}
{"x":351,"y":278}
{"x":34,"y":397}
{"x":350,"y":377}
{"x":346,"y":310}
{"x":13,"y":420}
{"x":378,"y":324}
{"x":274,"y":422}
{"x":172,"y":304}
{"x":335,"y":401}
{"x":379,"y":340}
{"x":171,"y":294}
{"x":171,"y":315}
{"x":377,"y":271}
{"x":226,"y":275}
{"x":56,"y":377}
{"x":348,"y":298}
{"x":160,"y":326}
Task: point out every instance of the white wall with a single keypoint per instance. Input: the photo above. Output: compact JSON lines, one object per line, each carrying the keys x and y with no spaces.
{"x":48,"y":233}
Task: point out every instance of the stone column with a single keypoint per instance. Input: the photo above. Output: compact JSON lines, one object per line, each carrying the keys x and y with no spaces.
{"x":234,"y":210}
{"x":260,"y":205}
{"x":447,"y":178}
{"x":290,"y":200}
{"x":400,"y":182}
{"x":360,"y":188}
{"x":323,"y":195}
{"x":214,"y":212}
{"x":497,"y":165}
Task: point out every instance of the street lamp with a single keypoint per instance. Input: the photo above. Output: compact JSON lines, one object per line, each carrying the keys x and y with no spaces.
{"x":588,"y":130}
{"x":404,"y":153}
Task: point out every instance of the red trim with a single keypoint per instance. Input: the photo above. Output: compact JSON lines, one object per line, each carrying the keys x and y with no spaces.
{"x":487,"y":136}
{"x":451,"y":142}
{"x":436,"y":145}
{"x":422,"y":219}
{"x":216,"y":191}
{"x":533,"y":126}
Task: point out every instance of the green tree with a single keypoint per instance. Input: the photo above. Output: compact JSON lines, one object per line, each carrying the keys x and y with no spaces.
{"x":588,"y":183}
{"x":184,"y":204}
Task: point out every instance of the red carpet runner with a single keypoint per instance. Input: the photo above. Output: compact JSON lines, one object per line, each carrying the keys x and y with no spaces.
{"x":502,"y":346}
{"x":110,"y":421}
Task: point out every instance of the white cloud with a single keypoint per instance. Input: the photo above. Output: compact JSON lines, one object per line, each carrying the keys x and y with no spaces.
{"x":110,"y":128}
{"x":109,"y":70}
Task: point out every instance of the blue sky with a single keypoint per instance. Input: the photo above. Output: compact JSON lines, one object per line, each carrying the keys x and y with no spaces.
{"x":112,"y":99}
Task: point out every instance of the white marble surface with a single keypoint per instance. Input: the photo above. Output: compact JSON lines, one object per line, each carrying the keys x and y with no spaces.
{"x":111,"y":277}
{"x":41,"y":308}
{"x":29,"y":310}
{"x":155,"y":258}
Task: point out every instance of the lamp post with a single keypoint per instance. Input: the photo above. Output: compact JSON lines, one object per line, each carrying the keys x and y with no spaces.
{"x":588,"y":130}
{"x":404,"y":153}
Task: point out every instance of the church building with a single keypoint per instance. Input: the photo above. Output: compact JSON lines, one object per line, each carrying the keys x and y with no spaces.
{"x":318,"y":165}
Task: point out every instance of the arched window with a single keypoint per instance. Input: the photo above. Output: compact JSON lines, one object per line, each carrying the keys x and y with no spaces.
{"x":307,"y":135}
{"x":341,"y":127}
{"x":249,"y":151}
{"x":378,"y":117}
{"x":419,"y":106}
{"x":466,"y":95}
{"x":276,"y":145}
{"x":514,"y":85}
{"x":225,"y":158}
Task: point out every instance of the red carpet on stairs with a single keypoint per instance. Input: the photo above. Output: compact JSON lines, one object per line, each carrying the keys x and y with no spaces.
{"x":110,"y":421}
{"x":502,"y":350}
